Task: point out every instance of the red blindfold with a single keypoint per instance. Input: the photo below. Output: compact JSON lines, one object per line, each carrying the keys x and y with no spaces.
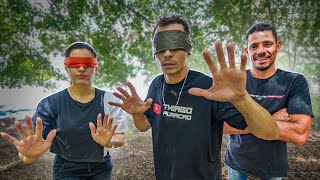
{"x":76,"y":62}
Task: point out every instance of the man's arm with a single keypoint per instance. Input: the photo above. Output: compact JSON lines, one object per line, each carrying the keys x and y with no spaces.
{"x":293,"y":128}
{"x":280,"y":115}
{"x":230,"y":130}
{"x":132,"y":104}
{"x":253,"y":113}
{"x":296,"y":130}
{"x":229,"y":85}
{"x":141,"y":122}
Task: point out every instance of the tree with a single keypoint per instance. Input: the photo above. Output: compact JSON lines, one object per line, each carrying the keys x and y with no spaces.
{"x":121,"y":33}
{"x":22,"y":61}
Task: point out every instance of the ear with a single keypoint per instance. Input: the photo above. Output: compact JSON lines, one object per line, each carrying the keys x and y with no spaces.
{"x":189,"y":54}
{"x":158,"y":62}
{"x":278,"y":46}
{"x":246,"y":50}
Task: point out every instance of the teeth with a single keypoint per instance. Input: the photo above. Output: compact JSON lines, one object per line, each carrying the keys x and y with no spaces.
{"x":261,"y":59}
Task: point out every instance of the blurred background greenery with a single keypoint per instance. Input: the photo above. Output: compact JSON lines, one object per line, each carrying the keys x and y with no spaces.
{"x":35,"y":33}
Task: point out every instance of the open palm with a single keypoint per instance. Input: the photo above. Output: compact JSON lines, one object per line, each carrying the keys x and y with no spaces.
{"x":31,"y":145}
{"x":229,"y":83}
{"x":103,"y":133}
{"x":132,"y":104}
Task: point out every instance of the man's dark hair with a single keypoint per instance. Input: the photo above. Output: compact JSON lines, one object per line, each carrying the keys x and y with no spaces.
{"x":261,"y":26}
{"x":80,"y":45}
{"x":167,"y":19}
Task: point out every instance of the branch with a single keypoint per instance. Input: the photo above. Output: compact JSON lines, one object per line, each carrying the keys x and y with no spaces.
{"x":278,"y":4}
{"x":135,"y":12}
{"x":10,"y":166}
{"x":216,"y":32}
{"x":61,"y":18}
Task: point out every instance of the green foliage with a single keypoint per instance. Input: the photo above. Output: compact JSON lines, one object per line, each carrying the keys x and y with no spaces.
{"x":121,"y":170}
{"x":22,"y":62}
{"x":131,"y":127}
{"x":121,"y":33}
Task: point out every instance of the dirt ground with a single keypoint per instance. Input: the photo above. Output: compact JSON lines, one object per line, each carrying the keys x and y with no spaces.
{"x":134,"y":161}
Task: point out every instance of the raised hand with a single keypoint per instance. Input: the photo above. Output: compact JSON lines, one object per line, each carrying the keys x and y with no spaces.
{"x":103,"y":133}
{"x":31,"y":145}
{"x":281,"y":115}
{"x":132,"y":104}
{"x":229,"y":83}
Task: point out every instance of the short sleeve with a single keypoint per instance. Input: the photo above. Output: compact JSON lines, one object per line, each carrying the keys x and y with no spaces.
{"x":299,"y":101}
{"x":115,"y":112}
{"x":151,"y":94}
{"x":147,"y":113}
{"x":45,"y":113}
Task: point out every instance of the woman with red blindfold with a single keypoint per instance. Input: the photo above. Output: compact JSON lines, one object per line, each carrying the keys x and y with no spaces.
{"x":77,"y":123}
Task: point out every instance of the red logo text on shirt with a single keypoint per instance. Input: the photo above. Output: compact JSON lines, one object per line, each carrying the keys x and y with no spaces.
{"x":156,"y":108}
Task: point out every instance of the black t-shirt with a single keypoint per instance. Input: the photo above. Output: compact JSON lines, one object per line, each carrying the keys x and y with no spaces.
{"x":71,"y":119}
{"x":187,"y":137}
{"x":262,"y":158}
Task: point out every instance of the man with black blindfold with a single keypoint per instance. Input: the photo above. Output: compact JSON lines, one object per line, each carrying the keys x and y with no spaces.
{"x":186,"y":120}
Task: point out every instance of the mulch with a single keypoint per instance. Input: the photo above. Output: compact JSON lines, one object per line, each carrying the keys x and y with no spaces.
{"x":135,"y":160}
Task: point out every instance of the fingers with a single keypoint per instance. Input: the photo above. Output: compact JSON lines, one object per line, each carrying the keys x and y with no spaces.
{"x":99,"y":121}
{"x":209,"y":61}
{"x":198,"y":92}
{"x":220,"y":55}
{"x":50,"y":137}
{"x":221,"y":58}
{"x":148,"y":102}
{"x":105,"y":121}
{"x":230,"y":51}
{"x":92,"y":128}
{"x":281,"y":115}
{"x":21,"y":132}
{"x":123,"y":91}
{"x":285,"y":114}
{"x":114,"y":129}
{"x":120,"y":96}
{"x":29,"y":125}
{"x":39,"y":127}
{"x":115,"y":103}
{"x":243,"y":62}
{"x":109,"y":123}
{"x":9,"y":138}
{"x":283,"y":110}
{"x":132,"y":89}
